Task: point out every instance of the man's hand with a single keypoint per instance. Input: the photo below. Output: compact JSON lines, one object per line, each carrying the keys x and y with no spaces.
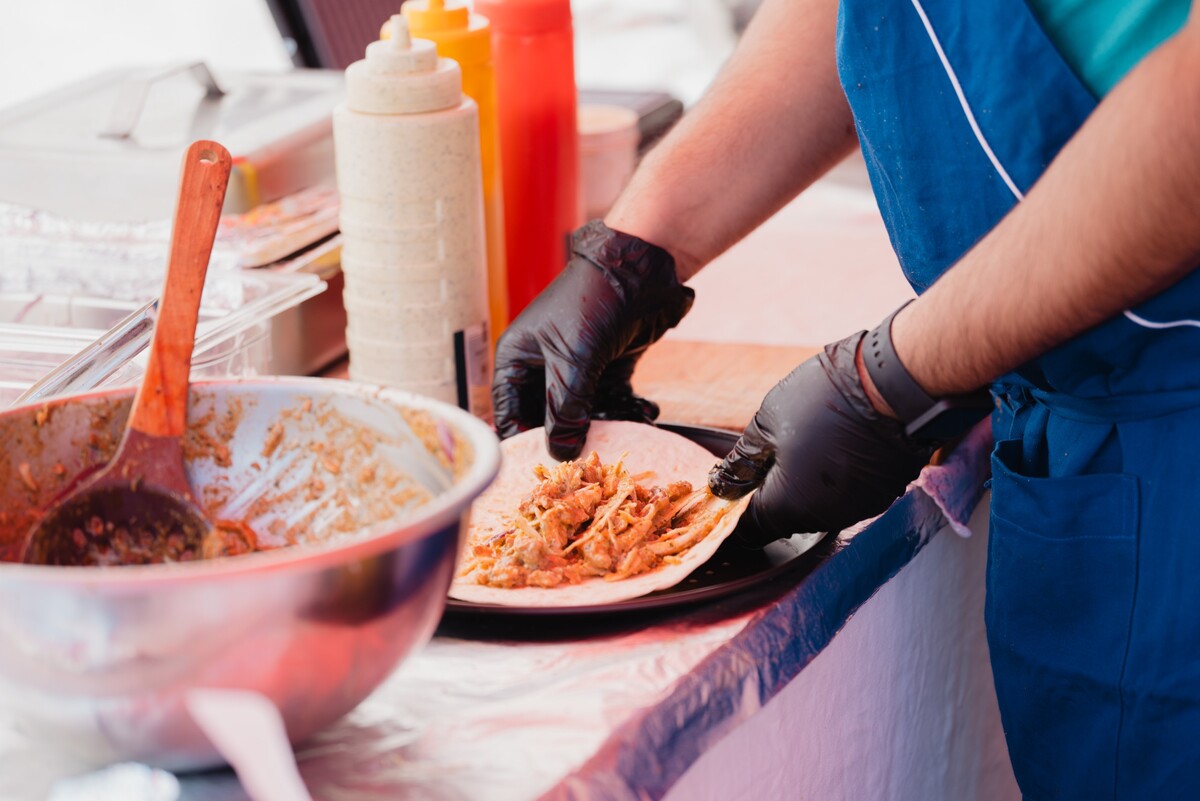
{"x":820,"y":454}
{"x":569,"y":356}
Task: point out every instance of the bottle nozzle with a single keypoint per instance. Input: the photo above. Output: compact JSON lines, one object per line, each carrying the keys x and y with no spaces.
{"x":400,"y":37}
{"x":437,"y":5}
{"x":398,"y":52}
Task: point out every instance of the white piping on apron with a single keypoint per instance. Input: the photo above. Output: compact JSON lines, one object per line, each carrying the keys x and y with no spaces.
{"x":962,"y":101}
{"x":1003,"y":173}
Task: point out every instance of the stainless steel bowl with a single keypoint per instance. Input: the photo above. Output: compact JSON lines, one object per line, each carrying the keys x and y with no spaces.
{"x":371,"y":485}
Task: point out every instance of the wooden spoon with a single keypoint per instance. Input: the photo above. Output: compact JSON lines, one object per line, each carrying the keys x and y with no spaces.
{"x":139,"y":508}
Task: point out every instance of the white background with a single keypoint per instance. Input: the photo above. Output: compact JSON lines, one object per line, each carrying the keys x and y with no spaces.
{"x":676,"y":44}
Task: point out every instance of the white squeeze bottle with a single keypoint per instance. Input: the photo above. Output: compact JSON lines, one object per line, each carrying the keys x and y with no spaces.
{"x":406,"y":144}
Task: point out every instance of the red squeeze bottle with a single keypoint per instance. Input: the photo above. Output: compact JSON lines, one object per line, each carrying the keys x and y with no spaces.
{"x":534,"y":54}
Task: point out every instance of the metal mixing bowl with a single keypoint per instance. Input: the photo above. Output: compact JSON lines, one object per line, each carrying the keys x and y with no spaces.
{"x":373,"y":487}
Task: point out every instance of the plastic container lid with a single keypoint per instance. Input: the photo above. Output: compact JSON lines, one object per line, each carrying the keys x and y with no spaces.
{"x":402,"y":75}
{"x":460,"y":35}
{"x":526,"y":16}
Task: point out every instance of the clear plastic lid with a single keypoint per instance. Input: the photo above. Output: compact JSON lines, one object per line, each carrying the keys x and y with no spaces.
{"x":49,"y":312}
{"x":66,"y":284}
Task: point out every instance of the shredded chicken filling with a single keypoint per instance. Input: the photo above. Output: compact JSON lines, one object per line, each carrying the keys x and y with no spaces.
{"x":587,"y":520}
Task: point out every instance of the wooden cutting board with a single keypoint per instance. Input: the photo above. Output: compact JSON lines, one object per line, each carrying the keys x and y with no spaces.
{"x":710,"y":383}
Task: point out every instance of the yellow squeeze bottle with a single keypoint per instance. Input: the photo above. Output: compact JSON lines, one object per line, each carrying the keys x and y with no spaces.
{"x":466,"y":38}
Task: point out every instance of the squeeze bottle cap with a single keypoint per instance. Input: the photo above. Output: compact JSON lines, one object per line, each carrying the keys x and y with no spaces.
{"x":459,"y":34}
{"x":402,"y":75}
{"x":432,"y":16}
{"x":526,"y":16}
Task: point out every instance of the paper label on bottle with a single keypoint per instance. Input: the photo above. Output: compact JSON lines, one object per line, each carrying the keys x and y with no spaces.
{"x":473,"y":370}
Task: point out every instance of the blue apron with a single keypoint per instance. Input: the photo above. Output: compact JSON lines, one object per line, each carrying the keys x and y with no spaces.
{"x":1093,"y":593}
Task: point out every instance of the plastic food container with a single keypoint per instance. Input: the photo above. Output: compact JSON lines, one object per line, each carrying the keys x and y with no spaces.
{"x":47,"y":314}
{"x":608,"y":146}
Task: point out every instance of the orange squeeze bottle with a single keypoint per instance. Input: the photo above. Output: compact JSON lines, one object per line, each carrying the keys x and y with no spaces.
{"x":467,"y":38}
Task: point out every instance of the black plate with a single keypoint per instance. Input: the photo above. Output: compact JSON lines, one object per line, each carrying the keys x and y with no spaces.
{"x":734,"y":567}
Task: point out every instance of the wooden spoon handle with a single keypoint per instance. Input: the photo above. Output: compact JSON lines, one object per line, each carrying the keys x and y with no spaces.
{"x":160,"y":408}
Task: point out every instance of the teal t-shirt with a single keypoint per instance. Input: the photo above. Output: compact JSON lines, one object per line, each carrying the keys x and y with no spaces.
{"x":1102,"y":40}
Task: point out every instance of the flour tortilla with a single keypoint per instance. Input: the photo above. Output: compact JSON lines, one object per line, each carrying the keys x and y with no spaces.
{"x":664,"y":456}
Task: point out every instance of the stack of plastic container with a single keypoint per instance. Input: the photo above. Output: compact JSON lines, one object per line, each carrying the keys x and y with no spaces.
{"x":408,"y":167}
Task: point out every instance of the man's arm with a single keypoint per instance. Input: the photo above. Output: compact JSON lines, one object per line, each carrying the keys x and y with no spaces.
{"x":1114,"y":220}
{"x":772,"y":123}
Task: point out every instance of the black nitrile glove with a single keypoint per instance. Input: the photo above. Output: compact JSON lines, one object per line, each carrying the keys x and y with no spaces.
{"x":819,"y":453}
{"x":569,"y":355}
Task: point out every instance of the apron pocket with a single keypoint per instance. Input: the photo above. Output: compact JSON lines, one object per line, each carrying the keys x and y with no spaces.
{"x":1062,"y":568}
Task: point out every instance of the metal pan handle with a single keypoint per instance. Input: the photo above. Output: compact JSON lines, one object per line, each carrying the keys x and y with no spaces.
{"x":132,"y":96}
